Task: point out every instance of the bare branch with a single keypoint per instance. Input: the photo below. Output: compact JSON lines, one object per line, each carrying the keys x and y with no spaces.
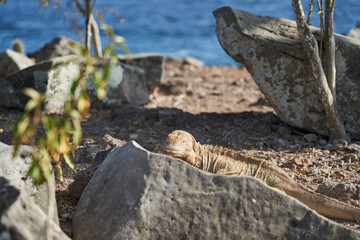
{"x":311,"y":7}
{"x":88,"y":26}
{"x":96,"y":36}
{"x":335,"y":125}
{"x":329,"y":44}
{"x":321,"y":13}
{"x":80,"y":8}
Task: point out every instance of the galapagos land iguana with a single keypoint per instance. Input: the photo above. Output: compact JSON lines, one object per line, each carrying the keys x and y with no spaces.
{"x":220,"y":160}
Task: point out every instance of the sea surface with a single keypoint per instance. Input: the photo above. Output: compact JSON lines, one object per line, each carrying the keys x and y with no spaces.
{"x":175,"y":28}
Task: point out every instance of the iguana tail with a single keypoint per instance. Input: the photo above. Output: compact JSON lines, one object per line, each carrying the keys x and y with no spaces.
{"x":323,"y":205}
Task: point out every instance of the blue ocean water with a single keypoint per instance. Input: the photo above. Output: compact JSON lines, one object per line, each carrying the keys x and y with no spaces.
{"x":172,"y":27}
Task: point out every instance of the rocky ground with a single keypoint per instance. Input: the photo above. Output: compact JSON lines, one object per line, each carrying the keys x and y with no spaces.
{"x":219,"y":105}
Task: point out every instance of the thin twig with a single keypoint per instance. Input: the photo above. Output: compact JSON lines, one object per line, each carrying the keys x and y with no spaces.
{"x":88,"y":26}
{"x":321,"y":13}
{"x":80,"y":8}
{"x":227,"y":135}
{"x":311,"y":7}
{"x":332,"y":4}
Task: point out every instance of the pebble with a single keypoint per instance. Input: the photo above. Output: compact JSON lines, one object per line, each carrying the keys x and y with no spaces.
{"x":351,"y":158}
{"x":133,"y":136}
{"x":310,"y":137}
{"x":65,"y":215}
{"x":322,"y":142}
{"x":328,"y":147}
{"x":281,"y":142}
{"x":302,"y":161}
{"x":194,"y":62}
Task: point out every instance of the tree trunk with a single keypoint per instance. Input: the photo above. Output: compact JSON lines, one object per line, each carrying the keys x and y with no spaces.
{"x":329,"y":44}
{"x":335,"y":125}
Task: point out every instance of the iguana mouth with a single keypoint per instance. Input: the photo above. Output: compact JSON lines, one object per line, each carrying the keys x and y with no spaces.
{"x":173,"y":150}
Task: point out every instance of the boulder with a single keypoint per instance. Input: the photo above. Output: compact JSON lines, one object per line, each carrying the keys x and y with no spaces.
{"x":136,"y":194}
{"x":355,"y":32}
{"x":11,"y":61}
{"x":58,"y":47}
{"x":125,"y":85}
{"x":151,"y":63}
{"x":15,"y":171}
{"x":93,"y":154}
{"x":271,"y":51}
{"x":21,"y":218}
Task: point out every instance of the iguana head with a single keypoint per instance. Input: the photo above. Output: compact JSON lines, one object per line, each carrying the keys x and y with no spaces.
{"x":181,"y":144}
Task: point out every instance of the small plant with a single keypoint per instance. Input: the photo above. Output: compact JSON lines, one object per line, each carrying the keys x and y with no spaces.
{"x":63,"y":133}
{"x":322,"y":62}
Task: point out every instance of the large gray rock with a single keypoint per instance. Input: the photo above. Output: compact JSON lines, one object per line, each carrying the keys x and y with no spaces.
{"x":136,"y":194}
{"x":126,"y":85}
{"x":272,"y":52}
{"x":355,"y":32}
{"x":15,"y":171}
{"x":11,"y":61}
{"x":151,"y":63}
{"x":94,"y":154}
{"x":58,"y":47}
{"x":21,"y":218}
{"x":54,"y":77}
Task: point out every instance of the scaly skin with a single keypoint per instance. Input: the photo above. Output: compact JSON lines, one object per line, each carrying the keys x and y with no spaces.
{"x":219,"y":160}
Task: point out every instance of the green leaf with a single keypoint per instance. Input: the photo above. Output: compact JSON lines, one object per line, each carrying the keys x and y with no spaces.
{"x":45,"y":163}
{"x":101,"y":93}
{"x":68,"y":161}
{"x":67,"y":107}
{"x":31,"y":104}
{"x":66,"y":125}
{"x":47,"y":122}
{"x":75,"y":114}
{"x":23,"y":126}
{"x":59,"y":172}
{"x":15,"y":134}
{"x":32,"y":93}
{"x":74,"y":85}
{"x":90,"y":69}
{"x":114,"y":60}
{"x":118,"y":39}
{"x":16,"y":150}
{"x":107,"y":71}
{"x":83,"y":103}
{"x":77,"y":134}
{"x":123,"y":48}
{"x":98,"y":76}
{"x":64,"y":145}
{"x":35,"y":172}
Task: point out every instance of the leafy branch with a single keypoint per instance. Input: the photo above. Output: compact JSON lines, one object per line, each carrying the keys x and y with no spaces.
{"x":63,"y":133}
